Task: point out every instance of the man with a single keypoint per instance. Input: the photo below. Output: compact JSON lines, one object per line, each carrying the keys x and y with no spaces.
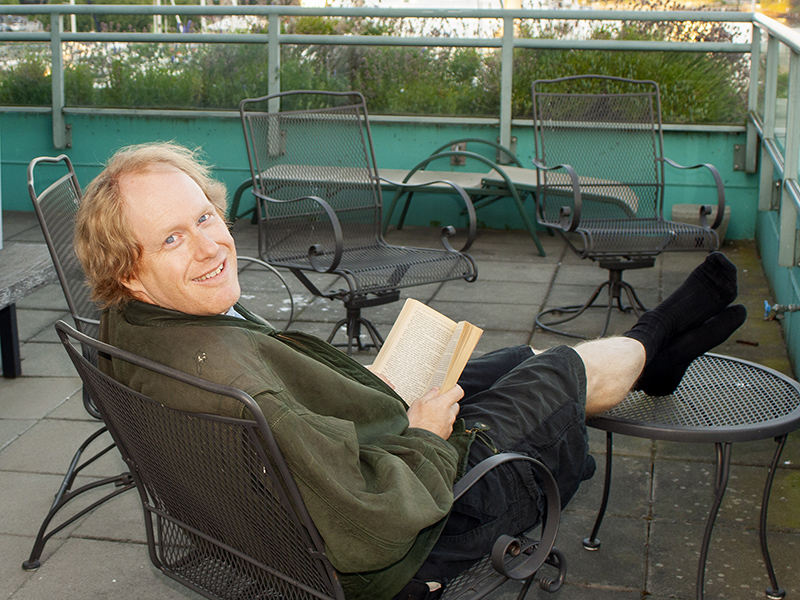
{"x":375,"y":474}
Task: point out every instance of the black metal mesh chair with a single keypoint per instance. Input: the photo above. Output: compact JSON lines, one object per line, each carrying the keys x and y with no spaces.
{"x":600,"y":164}
{"x":56,"y":208}
{"x":320,"y":206}
{"x":223,"y":513}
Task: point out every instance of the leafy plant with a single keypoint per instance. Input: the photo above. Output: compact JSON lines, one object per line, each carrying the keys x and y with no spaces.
{"x":696,"y":87}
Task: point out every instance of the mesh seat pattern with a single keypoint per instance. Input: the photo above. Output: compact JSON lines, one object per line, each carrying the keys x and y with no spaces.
{"x":717,"y":392}
{"x":221,"y":519}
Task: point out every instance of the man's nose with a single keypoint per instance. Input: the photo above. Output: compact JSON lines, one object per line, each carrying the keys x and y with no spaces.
{"x":206,"y":245}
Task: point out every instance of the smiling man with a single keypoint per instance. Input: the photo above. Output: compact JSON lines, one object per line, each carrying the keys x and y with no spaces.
{"x":375,"y":474}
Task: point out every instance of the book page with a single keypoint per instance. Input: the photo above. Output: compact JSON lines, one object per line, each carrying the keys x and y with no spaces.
{"x":444,"y":364}
{"x":413,"y":349}
{"x":465,"y":344}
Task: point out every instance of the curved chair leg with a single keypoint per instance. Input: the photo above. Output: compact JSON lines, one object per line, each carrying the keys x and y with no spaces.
{"x":615,"y":286}
{"x":65,"y":494}
{"x":720,"y":483}
{"x":774,"y":592}
{"x":591,"y":543}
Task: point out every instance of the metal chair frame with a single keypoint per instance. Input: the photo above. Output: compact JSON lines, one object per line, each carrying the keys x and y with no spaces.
{"x":319,"y":201}
{"x":601,"y":181}
{"x":201,"y":536}
{"x":55,"y":209}
{"x":488,"y":182}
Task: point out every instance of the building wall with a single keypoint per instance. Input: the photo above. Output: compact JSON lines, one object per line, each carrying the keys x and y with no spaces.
{"x":397,"y":145}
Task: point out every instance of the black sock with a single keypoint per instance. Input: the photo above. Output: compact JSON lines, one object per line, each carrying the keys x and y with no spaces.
{"x":664,"y":373}
{"x":705,"y":292}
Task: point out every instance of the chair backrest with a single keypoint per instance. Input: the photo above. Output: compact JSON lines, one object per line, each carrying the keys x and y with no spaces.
{"x":56,"y":208}
{"x":304,"y":143}
{"x":609,"y":130}
{"x":222,"y":512}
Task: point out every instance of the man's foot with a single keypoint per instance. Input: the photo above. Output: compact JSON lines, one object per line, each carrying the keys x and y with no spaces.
{"x":663,"y":374}
{"x":704,"y":294}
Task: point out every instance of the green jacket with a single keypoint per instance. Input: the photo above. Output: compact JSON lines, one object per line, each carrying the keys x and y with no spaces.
{"x":378,"y":490}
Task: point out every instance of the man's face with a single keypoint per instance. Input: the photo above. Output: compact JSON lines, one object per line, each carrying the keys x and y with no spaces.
{"x":188,"y":260}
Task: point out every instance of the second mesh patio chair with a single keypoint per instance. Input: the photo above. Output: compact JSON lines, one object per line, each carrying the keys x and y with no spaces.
{"x":601,"y":181}
{"x":320,"y":207}
{"x":56,"y":207}
{"x":223,"y":513}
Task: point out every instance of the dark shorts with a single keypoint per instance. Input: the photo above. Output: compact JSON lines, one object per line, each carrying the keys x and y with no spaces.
{"x":524,"y":403}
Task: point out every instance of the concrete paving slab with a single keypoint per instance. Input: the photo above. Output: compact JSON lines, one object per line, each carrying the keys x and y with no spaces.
{"x":120,"y":519}
{"x":13,"y":550}
{"x":86,"y":569}
{"x":629,"y":496}
{"x":49,"y":446}
{"x":48,"y":297}
{"x":11,"y":429}
{"x":73,"y":409}
{"x":494,"y":340}
{"x":45,"y":360}
{"x":33,"y":322}
{"x":47,"y":334}
{"x":520,"y":271}
{"x":622,"y":445}
{"x":25,"y":499}
{"x":34,"y":397}
{"x":734,"y":570}
{"x":506,"y":317}
{"x":684,"y":491}
{"x":620,"y":561}
{"x":507,"y":292}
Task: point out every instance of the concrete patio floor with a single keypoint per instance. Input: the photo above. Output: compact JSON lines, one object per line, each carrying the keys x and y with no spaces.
{"x":661,"y":492}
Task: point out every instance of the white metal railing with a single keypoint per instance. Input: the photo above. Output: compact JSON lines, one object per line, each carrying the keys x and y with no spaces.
{"x":768,"y":43}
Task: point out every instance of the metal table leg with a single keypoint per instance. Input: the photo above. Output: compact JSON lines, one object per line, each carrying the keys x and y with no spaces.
{"x":720,"y":483}
{"x":774,"y":592}
{"x":9,"y":342}
{"x":592,"y":543}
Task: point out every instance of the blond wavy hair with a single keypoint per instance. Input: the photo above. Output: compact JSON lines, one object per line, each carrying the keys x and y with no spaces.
{"x":104,"y":243}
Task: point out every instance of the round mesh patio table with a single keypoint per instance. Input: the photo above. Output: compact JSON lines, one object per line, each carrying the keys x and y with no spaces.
{"x":721,"y":400}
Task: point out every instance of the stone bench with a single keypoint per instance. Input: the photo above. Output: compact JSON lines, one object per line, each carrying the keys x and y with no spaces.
{"x":24,"y":268}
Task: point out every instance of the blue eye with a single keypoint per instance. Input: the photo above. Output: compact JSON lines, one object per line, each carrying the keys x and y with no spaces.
{"x":204,"y":218}
{"x":170,"y":240}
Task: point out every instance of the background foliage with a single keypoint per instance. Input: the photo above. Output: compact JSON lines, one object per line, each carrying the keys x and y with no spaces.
{"x":696,"y":87}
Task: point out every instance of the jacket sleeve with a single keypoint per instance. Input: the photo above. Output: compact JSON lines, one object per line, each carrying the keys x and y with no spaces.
{"x":369,"y":502}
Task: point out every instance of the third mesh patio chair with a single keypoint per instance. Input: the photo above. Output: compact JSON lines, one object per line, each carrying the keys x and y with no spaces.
{"x":601,"y":181}
{"x":320,"y":207}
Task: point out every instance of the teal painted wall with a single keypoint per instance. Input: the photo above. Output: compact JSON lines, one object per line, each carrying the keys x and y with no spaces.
{"x":785,"y":281}
{"x":397,"y":145}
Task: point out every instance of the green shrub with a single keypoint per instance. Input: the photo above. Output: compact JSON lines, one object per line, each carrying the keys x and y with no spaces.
{"x":696,"y":88}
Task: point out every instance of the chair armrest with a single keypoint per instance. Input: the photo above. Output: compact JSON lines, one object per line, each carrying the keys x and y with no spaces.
{"x":569,"y":216}
{"x":274,"y":271}
{"x":447,"y":231}
{"x":494,"y":145}
{"x":506,"y":544}
{"x":317,"y":229}
{"x":706,"y":210}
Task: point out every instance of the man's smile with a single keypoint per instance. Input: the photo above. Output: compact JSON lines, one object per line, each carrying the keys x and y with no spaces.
{"x":213,"y":273}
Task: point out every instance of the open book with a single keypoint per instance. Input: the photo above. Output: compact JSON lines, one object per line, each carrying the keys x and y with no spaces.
{"x":425,"y":349}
